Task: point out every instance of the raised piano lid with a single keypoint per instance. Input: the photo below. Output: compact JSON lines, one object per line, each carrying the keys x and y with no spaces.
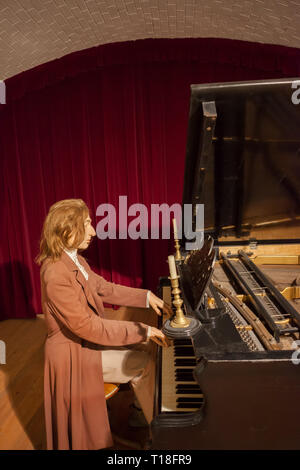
{"x":246,"y":172}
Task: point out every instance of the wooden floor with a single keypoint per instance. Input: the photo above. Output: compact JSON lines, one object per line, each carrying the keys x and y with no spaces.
{"x":21,"y":383}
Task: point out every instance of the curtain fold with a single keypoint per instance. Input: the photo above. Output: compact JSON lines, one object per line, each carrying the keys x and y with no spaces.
{"x":102,"y":123}
{"x":254,"y":56}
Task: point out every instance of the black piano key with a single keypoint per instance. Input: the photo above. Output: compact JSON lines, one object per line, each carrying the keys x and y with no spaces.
{"x":184,"y":352}
{"x":183,"y":370}
{"x":182,"y":374}
{"x":182,"y":342}
{"x":189,"y":400}
{"x":192,"y":388}
{"x":189,"y":405}
{"x":187,"y":387}
{"x":185,"y":378}
{"x":185,"y":362}
{"x":187,"y":392}
{"x":183,"y":345}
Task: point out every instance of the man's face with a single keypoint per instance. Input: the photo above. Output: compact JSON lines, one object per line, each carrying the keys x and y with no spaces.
{"x":88,"y":234}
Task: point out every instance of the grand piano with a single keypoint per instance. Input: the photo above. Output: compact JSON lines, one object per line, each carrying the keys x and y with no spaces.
{"x":234,"y":383}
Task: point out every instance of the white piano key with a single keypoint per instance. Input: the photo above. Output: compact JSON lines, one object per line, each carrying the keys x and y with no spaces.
{"x":169,"y":397}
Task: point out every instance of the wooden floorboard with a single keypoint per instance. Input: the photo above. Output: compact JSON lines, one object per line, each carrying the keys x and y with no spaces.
{"x":21,"y":384}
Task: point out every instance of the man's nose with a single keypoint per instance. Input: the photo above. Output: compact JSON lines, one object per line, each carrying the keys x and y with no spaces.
{"x":92,"y":231}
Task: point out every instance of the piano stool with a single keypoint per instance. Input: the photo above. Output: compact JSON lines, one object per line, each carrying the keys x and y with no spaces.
{"x":111,"y":390}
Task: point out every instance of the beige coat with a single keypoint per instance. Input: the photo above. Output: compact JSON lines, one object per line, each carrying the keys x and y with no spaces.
{"x":75,"y":407}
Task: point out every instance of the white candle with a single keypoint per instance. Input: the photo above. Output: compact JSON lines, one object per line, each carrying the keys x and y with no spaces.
{"x":175,"y":229}
{"x":172,"y":267}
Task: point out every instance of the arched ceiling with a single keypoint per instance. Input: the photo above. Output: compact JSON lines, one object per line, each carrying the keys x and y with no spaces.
{"x":33,"y":32}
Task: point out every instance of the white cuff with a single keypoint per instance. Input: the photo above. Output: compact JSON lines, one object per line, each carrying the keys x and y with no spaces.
{"x":148,"y":297}
{"x":149,"y":332}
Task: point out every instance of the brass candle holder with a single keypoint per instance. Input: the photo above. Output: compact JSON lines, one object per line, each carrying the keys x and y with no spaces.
{"x":178,"y":256}
{"x":180,"y":320}
{"x":180,"y":326}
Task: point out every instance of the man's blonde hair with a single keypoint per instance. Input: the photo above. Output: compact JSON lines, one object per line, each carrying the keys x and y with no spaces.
{"x":65,"y":218}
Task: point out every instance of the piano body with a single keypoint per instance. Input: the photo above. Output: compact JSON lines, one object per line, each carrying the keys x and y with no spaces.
{"x":235,"y":383}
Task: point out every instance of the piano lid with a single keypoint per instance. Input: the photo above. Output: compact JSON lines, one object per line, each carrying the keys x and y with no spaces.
{"x":243,"y":158}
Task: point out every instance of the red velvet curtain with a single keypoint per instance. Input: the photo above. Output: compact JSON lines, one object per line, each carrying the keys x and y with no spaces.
{"x":98,"y":124}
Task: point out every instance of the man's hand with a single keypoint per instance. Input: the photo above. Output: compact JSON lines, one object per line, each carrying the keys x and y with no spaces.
{"x":156,"y":303}
{"x":158,"y":337}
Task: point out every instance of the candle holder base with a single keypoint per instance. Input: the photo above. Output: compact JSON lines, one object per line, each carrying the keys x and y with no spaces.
{"x":177,"y":333}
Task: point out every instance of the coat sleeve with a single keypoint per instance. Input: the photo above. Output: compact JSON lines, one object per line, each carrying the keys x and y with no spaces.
{"x":82,"y":321}
{"x":116,"y":294}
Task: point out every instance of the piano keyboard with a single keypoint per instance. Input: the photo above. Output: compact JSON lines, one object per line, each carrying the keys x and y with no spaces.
{"x":179,"y":390}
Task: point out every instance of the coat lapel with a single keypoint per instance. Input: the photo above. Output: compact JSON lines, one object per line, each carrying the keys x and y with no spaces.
{"x":79,"y":278}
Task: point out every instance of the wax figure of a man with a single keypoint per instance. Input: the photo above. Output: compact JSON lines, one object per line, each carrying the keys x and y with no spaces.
{"x":78,"y":335}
